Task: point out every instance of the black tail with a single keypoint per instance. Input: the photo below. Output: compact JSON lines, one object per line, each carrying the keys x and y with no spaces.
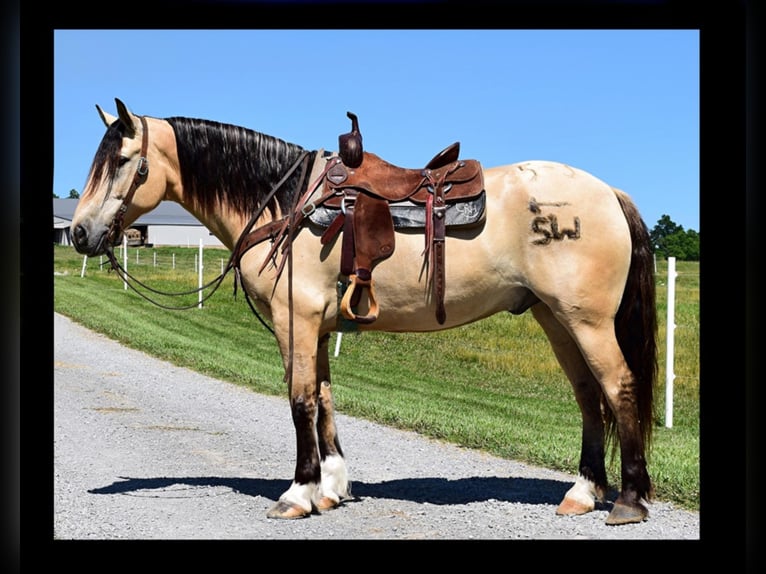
{"x":636,"y":322}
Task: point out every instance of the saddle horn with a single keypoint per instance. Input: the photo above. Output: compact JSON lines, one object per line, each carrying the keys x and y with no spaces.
{"x":350,"y":144}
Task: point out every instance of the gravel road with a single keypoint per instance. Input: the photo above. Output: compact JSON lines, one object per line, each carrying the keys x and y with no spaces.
{"x":147,"y":450}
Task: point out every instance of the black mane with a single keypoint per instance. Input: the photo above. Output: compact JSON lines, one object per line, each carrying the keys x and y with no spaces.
{"x":107,"y":158}
{"x":226,"y":162}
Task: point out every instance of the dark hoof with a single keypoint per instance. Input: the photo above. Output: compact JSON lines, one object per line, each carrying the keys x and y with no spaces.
{"x":627,"y":513}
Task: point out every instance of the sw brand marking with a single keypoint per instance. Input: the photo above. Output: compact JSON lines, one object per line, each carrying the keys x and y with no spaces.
{"x":548,"y":227}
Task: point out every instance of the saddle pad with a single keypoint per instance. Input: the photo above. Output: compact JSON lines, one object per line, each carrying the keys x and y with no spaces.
{"x":409,"y":215}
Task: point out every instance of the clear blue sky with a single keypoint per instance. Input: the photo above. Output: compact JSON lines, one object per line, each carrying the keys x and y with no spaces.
{"x":621,"y":104}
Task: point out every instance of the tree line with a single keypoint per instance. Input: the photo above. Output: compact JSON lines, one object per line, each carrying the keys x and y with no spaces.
{"x":671,"y":240}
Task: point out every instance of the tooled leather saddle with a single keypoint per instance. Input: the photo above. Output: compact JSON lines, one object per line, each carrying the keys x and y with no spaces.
{"x":368,"y":198}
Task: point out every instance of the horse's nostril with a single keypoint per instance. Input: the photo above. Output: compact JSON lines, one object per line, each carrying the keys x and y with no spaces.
{"x":79,"y":234}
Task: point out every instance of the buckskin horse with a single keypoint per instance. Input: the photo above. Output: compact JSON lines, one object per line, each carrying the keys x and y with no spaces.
{"x":332,"y":241}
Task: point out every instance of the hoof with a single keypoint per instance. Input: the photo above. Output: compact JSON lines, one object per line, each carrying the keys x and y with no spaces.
{"x":570,"y":507}
{"x":285,"y":510}
{"x":623,"y":513}
{"x":326,"y":503}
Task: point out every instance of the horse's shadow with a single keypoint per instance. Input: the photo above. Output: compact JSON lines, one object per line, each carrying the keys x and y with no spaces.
{"x":440,"y":491}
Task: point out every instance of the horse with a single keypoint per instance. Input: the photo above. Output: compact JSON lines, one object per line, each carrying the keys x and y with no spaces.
{"x":552,"y":239}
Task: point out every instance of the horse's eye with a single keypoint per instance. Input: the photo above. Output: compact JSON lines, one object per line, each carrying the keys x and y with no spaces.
{"x":123,"y":160}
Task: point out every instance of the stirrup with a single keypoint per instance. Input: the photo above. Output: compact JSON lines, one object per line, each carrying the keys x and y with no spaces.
{"x":345,"y":304}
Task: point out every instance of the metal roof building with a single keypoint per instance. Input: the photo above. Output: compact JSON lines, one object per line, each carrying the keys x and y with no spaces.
{"x":168,"y":224}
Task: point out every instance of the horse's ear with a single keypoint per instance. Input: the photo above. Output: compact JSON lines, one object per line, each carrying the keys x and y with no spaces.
{"x":127,"y":118}
{"x":106,"y":117}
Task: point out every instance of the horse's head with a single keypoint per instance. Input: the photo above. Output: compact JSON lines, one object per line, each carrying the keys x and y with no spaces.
{"x":124,"y":181}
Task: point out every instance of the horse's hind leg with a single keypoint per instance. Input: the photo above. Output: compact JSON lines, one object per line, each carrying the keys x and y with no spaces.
{"x":591,"y":483}
{"x":334,"y":475}
{"x":601,"y":351}
{"x":622,"y":394}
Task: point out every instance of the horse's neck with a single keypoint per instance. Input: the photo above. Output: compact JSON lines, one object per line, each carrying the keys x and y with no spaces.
{"x":227,"y":225}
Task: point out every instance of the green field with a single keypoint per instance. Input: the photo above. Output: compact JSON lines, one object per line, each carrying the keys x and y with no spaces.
{"x":493,"y":385}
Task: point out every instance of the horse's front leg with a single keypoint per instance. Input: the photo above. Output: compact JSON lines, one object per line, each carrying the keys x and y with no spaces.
{"x":301,"y":373}
{"x":320,"y":472}
{"x":335,"y":486}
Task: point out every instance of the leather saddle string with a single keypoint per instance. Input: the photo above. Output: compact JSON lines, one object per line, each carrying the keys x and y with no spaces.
{"x":298,"y":214}
{"x":234,"y":260}
{"x":435,"y":216}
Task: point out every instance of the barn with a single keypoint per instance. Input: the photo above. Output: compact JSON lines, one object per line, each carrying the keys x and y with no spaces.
{"x":168,"y":224}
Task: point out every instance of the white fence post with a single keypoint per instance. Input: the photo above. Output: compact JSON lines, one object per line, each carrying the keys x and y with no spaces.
{"x":199,"y":293}
{"x":669,"y":374}
{"x":84,"y":264}
{"x":125,"y":260}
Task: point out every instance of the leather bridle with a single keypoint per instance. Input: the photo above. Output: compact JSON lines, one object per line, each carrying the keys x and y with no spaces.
{"x":142,"y":171}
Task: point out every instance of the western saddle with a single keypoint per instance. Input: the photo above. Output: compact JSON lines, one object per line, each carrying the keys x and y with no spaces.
{"x":367,"y":199}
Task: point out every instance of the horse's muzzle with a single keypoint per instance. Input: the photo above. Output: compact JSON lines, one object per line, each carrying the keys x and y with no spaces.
{"x":90,"y":244}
